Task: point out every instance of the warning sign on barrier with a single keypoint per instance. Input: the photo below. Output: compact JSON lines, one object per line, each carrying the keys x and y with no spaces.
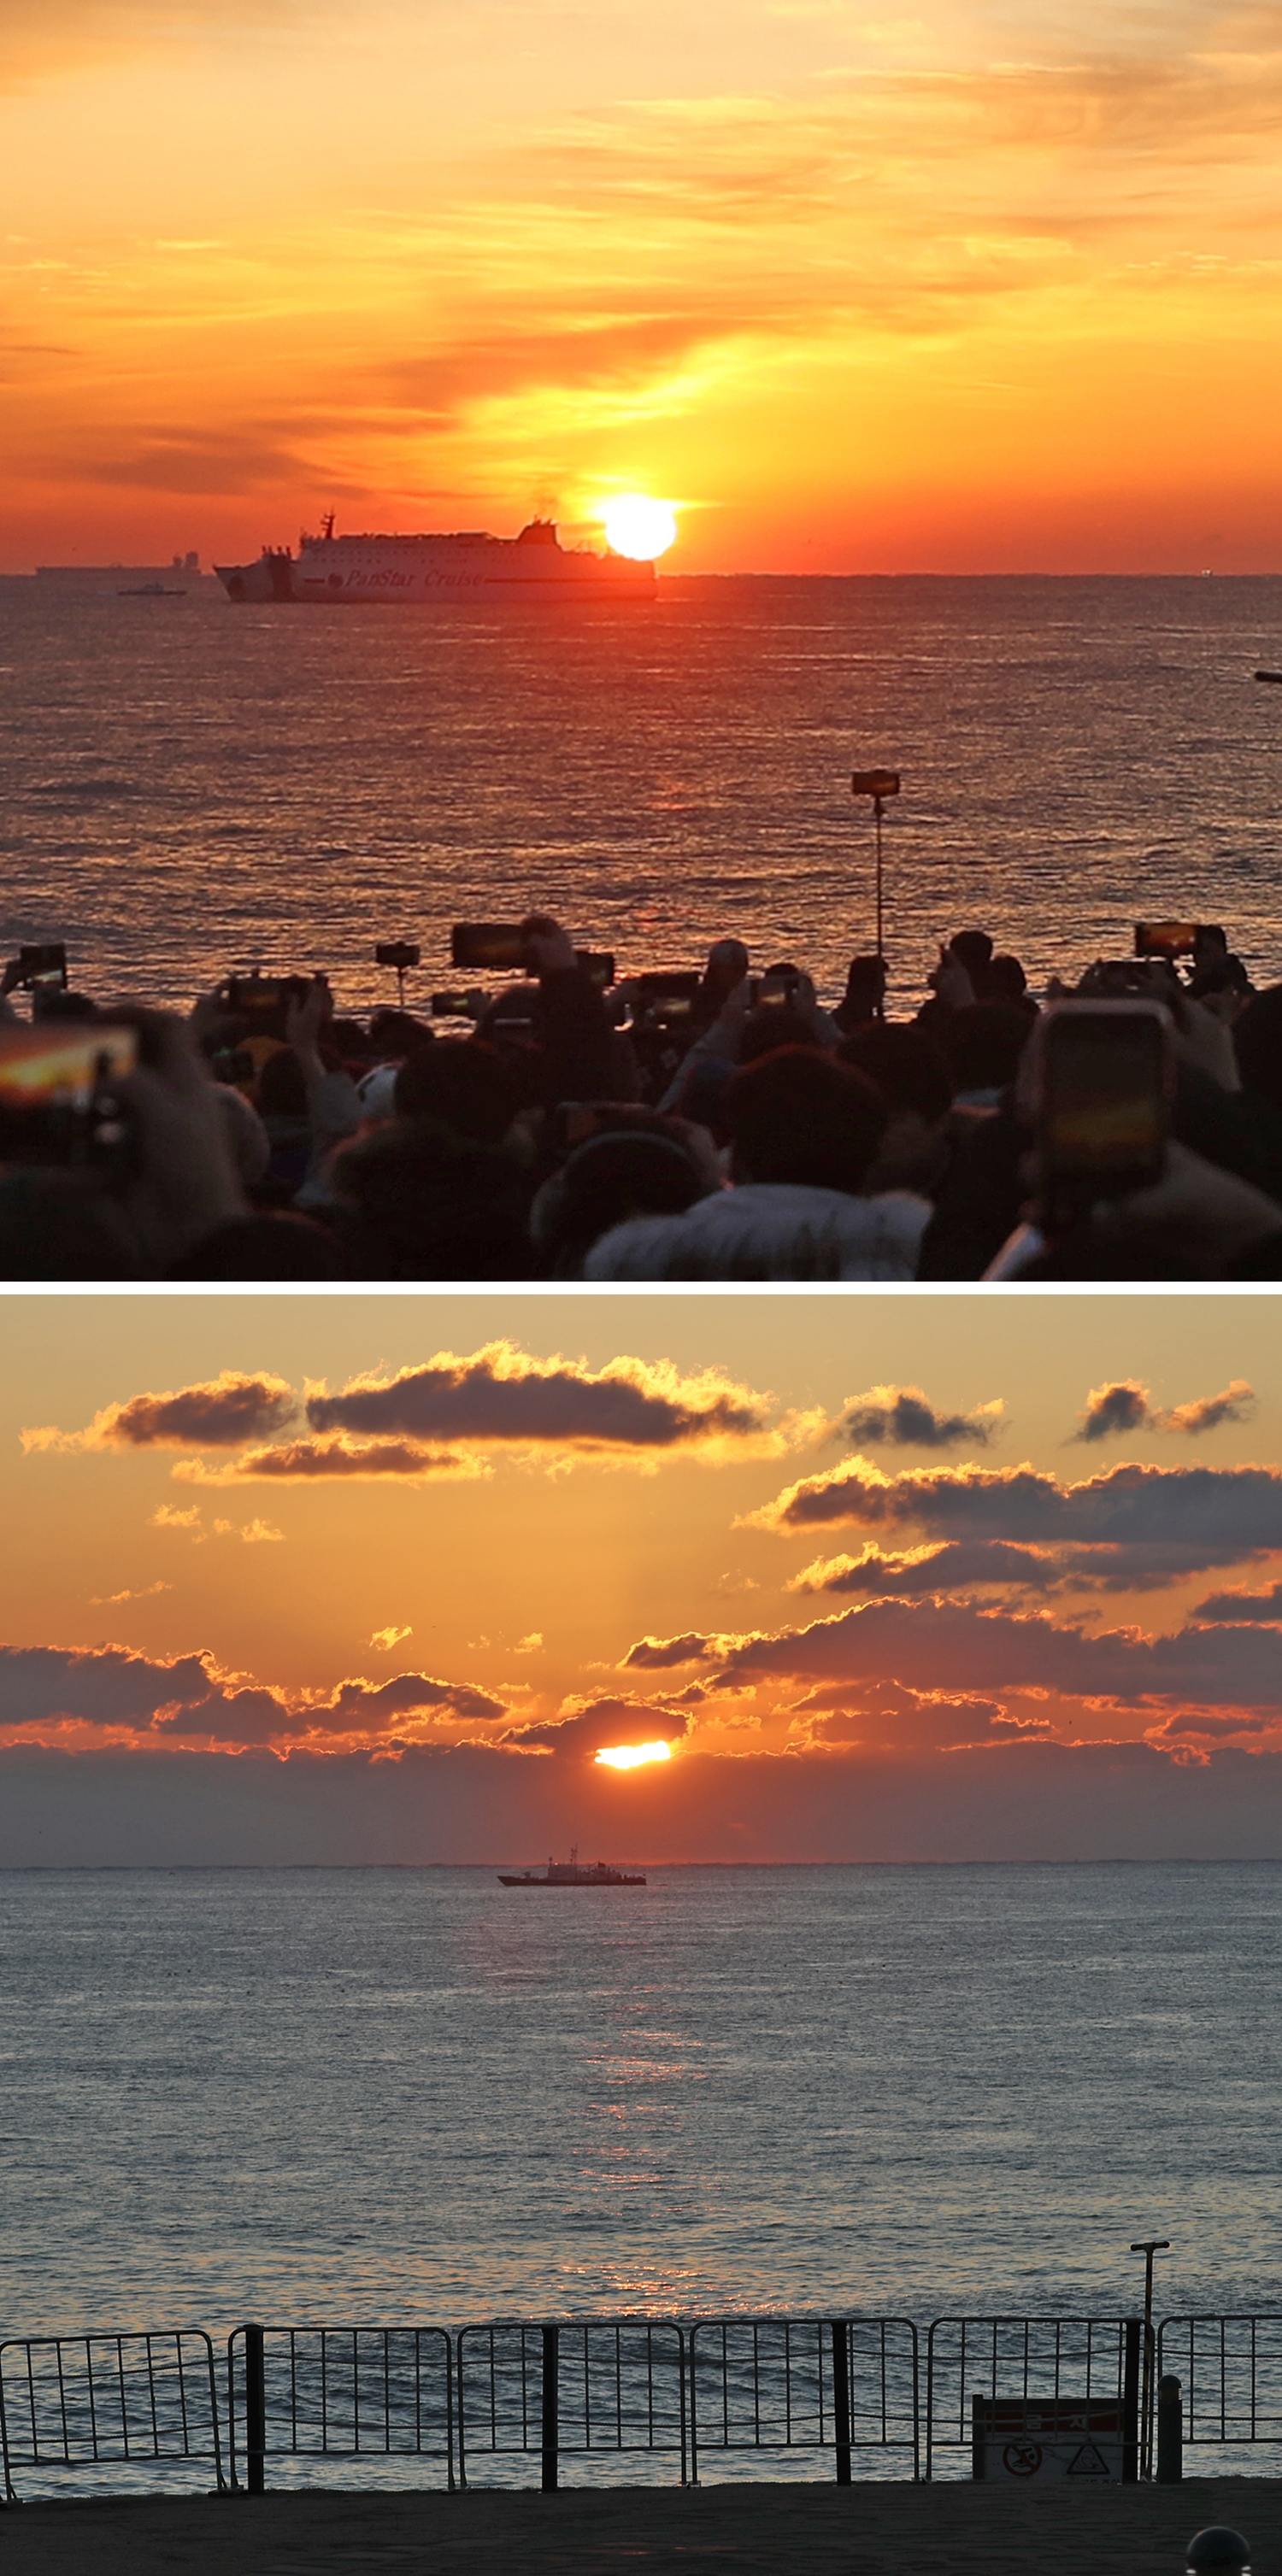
{"x":1052,"y":2437}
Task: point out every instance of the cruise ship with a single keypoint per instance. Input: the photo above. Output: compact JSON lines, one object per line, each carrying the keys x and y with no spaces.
{"x":334,"y":571}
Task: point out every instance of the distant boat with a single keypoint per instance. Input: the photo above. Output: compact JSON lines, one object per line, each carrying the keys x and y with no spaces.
{"x":330,"y":571}
{"x":1275,"y":676}
{"x":571,"y":1873}
{"x":151,"y":590}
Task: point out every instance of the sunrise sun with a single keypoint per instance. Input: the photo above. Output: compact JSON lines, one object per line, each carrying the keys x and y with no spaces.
{"x":639,"y":527}
{"x":626,"y":1757}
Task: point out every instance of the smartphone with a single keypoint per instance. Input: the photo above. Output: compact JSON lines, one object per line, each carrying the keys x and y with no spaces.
{"x":1104,"y":1076}
{"x":774,"y":991}
{"x":263,"y":1000}
{"x":44,"y":966}
{"x":1113,"y":978}
{"x":667,"y":993}
{"x":58,"y":1101}
{"x":1166,"y":938}
{"x":400,"y":953}
{"x":664,"y":1010}
{"x":492,"y":946}
{"x":502,"y":947}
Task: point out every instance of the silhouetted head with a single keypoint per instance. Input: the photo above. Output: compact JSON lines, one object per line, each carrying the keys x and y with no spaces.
{"x":972,"y":949}
{"x":602,"y":1183}
{"x":983,"y":1045}
{"x":287,"y":1245}
{"x":905,"y":1065}
{"x":464,"y":1083}
{"x":1257,"y":1040}
{"x":800,"y":1116}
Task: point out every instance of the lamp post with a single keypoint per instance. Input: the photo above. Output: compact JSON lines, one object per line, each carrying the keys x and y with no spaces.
{"x":1148,"y":2246}
{"x":879,"y":784}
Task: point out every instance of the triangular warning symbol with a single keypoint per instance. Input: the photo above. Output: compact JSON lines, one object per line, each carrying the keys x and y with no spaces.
{"x":1087,"y":2463}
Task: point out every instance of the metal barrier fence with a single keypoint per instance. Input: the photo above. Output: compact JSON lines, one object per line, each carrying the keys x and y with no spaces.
{"x":338,"y":2392}
{"x":1231,"y":2370}
{"x":786,"y":2383}
{"x":1023,"y":2357}
{"x":77,"y":2401}
{"x":611,"y":2384}
{"x":617,"y":2386}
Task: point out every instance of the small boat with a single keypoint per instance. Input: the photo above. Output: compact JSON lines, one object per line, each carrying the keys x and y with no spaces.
{"x":151,"y":590}
{"x":571,"y":1873}
{"x":1275,"y":676}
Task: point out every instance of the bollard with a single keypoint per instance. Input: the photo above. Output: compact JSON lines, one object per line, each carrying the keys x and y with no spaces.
{"x":255,"y":2410}
{"x":1217,"y":2551}
{"x":841,"y":2399}
{"x":1132,"y":2445}
{"x":1170,"y":2432}
{"x":550,"y":2363}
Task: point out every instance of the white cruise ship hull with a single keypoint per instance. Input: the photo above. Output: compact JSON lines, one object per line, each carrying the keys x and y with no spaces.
{"x":338,"y":572}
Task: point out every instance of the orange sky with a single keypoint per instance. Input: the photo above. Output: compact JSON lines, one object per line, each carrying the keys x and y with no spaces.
{"x":379,"y":1577}
{"x":990,"y":286}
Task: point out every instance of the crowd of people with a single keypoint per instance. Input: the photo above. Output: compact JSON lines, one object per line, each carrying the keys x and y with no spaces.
{"x":724,"y":1126}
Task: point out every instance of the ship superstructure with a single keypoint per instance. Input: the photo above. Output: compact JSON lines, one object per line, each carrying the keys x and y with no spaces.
{"x":333,"y":571}
{"x":571,"y":1873}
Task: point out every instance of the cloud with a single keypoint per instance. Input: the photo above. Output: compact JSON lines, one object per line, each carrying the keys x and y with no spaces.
{"x":601,"y":1722}
{"x":1125,"y":1405}
{"x":112,"y":1600}
{"x":359,"y":1707}
{"x":933,"y":1645}
{"x":1235,"y":1403}
{"x":255,"y":1533}
{"x":1023,"y":1798}
{"x":958,"y":1565}
{"x":1132,"y":1525}
{"x":1261,"y":1609}
{"x":501,"y":1395}
{"x":303,"y":1462}
{"x":192,"y":1697}
{"x":889,"y":1717}
{"x":657,"y":1654}
{"x":899,"y":1417}
{"x":384,"y":1639}
{"x":217,"y":1415}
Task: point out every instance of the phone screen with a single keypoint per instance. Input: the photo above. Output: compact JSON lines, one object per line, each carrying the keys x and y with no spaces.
{"x":38,"y":1069}
{"x":1104,"y":1103}
{"x":56,"y":1099}
{"x":1165,"y":938}
{"x":488,"y":944}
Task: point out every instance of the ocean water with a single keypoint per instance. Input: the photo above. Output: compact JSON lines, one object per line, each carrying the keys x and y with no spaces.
{"x":360,"y":2095}
{"x":190,"y":786}
{"x":408,"y":2096}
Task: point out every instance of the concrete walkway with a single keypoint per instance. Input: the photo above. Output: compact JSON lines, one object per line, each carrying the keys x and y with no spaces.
{"x":740,"y":2530}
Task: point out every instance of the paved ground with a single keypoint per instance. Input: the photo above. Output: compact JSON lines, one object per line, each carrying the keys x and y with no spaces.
{"x":740,"y":2530}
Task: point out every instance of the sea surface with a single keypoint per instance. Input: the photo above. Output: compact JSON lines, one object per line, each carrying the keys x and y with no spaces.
{"x":411,"y":2095}
{"x":191,"y":786}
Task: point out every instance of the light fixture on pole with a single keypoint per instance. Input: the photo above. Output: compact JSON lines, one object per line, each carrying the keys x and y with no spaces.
{"x":879,"y":784}
{"x":1148,"y":2246}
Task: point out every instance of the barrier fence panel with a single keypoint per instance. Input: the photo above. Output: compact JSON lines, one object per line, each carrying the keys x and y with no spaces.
{"x":78,"y":2401}
{"x":1231,"y":2374}
{"x":338,"y":2392}
{"x":787,"y":2383}
{"x":1034,"y":2358}
{"x":614,"y":2384}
